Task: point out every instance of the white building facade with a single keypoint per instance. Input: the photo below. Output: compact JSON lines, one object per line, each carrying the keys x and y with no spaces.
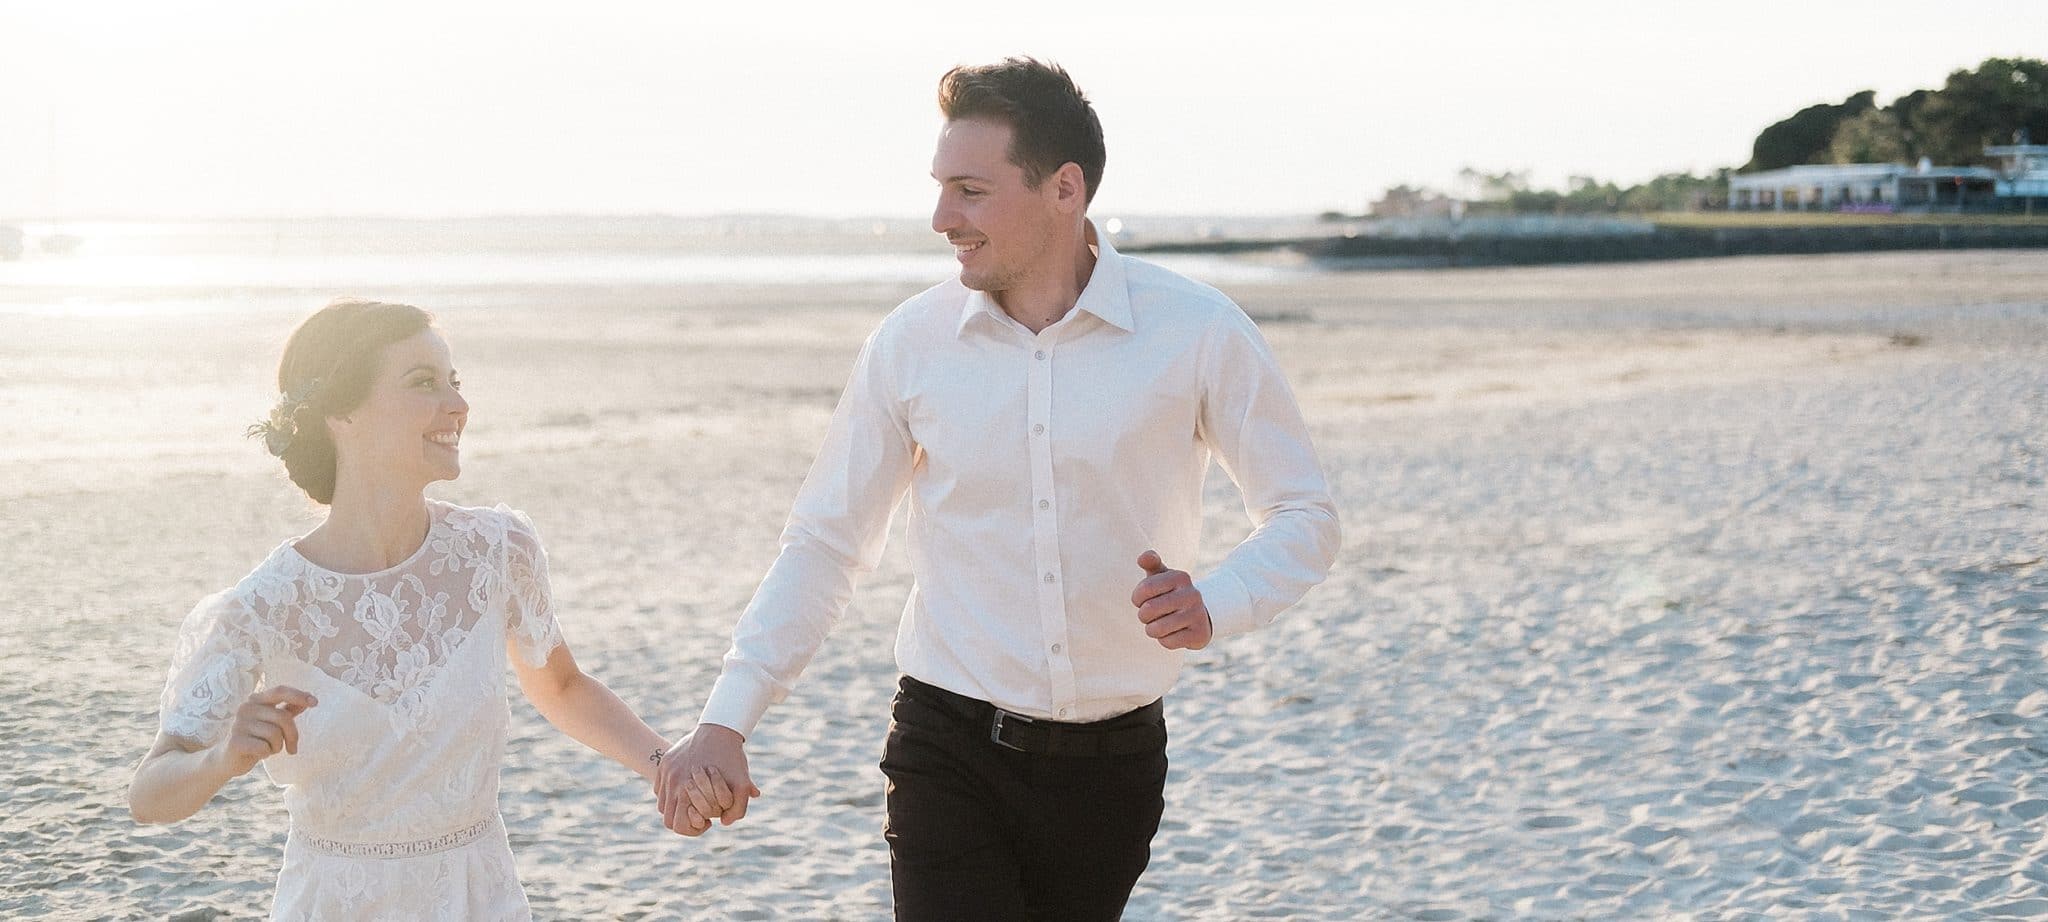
{"x":2020,"y":183}
{"x":2023,"y":174}
{"x":1877,"y":187}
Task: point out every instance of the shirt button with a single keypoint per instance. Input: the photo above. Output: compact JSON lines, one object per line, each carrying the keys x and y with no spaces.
{"x":1049,"y":577}
{"x":1066,"y":712}
{"x":1038,"y":429}
{"x":1056,"y":648}
{"x":1039,"y":355}
{"x":1045,"y":504}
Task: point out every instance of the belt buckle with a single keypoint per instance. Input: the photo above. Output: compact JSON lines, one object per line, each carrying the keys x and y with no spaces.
{"x":995,"y":729}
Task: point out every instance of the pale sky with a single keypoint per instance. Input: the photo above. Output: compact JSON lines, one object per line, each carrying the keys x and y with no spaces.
{"x":151,"y":109}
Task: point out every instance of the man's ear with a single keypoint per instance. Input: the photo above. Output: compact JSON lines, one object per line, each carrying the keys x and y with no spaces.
{"x":1070,"y":187}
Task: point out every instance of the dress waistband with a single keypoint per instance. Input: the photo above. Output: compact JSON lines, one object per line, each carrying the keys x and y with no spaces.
{"x":413,"y":849}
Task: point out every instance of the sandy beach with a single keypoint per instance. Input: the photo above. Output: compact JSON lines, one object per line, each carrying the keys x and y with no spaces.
{"x":1698,"y":590}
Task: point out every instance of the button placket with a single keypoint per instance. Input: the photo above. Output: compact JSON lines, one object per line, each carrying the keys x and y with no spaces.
{"x":1052,"y":605}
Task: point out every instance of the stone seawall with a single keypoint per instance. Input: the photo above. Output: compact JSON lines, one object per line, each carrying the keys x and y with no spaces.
{"x":1660,"y":242}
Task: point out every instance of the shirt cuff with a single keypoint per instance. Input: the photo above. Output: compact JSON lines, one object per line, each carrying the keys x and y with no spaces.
{"x":738,"y":702}
{"x":1229,"y":602}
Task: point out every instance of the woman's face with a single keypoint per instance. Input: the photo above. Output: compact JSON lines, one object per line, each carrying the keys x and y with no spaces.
{"x":408,"y":429}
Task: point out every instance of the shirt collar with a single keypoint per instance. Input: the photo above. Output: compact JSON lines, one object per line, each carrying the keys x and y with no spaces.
{"x":1106,"y":295}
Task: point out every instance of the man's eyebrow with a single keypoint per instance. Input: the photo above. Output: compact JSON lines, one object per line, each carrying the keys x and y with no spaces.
{"x":967,"y":177}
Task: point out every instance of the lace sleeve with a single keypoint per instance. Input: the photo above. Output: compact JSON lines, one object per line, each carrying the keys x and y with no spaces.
{"x":213,"y":669}
{"x":530,"y":613}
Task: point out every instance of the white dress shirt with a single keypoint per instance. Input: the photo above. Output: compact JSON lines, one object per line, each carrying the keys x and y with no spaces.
{"x":1039,"y":466}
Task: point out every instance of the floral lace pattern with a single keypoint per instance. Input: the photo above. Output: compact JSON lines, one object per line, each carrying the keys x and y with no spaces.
{"x":475,"y":880}
{"x":385,"y":634}
{"x":393,"y":790}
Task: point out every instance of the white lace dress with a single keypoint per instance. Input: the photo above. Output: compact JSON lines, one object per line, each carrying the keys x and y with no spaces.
{"x":393,"y":794}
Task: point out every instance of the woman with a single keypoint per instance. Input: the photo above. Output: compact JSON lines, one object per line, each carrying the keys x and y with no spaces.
{"x":363,"y":664}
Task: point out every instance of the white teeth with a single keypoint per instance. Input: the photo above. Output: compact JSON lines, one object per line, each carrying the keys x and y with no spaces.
{"x":962,"y":249}
{"x":445,"y":438}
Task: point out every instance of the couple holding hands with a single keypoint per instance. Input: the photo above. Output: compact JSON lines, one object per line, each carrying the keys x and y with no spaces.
{"x":1051,"y":414}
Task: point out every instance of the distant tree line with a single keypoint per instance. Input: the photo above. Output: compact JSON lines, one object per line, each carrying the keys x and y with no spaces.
{"x":1510,"y":193}
{"x":2000,"y":101}
{"x":2003,"y":99}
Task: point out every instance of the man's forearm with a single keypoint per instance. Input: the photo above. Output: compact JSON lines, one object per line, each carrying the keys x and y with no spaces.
{"x":1285,"y":557}
{"x":804,"y":594}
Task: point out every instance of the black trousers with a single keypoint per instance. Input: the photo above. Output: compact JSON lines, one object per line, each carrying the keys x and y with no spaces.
{"x":983,"y":832}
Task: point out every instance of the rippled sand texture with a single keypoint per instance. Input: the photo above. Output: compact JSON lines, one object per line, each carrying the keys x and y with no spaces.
{"x":1670,"y":591}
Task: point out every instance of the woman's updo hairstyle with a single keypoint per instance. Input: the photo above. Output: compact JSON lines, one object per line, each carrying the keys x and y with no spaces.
{"x":327,"y":370}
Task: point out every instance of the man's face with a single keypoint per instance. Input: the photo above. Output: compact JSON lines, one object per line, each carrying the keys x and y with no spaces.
{"x":1000,"y":227}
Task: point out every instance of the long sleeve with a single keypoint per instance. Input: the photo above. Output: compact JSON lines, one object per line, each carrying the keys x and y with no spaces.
{"x":836,"y":533}
{"x":1250,"y":420}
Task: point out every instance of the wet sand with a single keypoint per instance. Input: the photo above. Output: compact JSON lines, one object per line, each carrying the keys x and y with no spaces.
{"x":1681,"y":590}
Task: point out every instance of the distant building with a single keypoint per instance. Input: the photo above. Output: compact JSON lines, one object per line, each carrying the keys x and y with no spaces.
{"x":1410,"y":202}
{"x":2022,"y":173}
{"x":2020,"y":180}
{"x":1866,"y":187}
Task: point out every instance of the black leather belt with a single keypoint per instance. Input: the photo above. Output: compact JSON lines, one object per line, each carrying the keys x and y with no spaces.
{"x":1130,"y":733}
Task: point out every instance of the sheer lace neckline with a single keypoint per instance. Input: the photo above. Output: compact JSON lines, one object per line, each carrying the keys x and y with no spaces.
{"x":480,"y":577}
{"x":435,"y":518}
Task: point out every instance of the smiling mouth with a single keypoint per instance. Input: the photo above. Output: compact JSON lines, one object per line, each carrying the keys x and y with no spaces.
{"x":445,"y":439}
{"x":962,"y":249}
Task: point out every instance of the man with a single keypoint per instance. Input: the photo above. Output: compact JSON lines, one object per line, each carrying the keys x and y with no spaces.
{"x":1052,"y":414}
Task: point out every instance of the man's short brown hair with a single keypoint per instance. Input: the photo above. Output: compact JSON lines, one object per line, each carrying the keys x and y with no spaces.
{"x":1051,"y":122}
